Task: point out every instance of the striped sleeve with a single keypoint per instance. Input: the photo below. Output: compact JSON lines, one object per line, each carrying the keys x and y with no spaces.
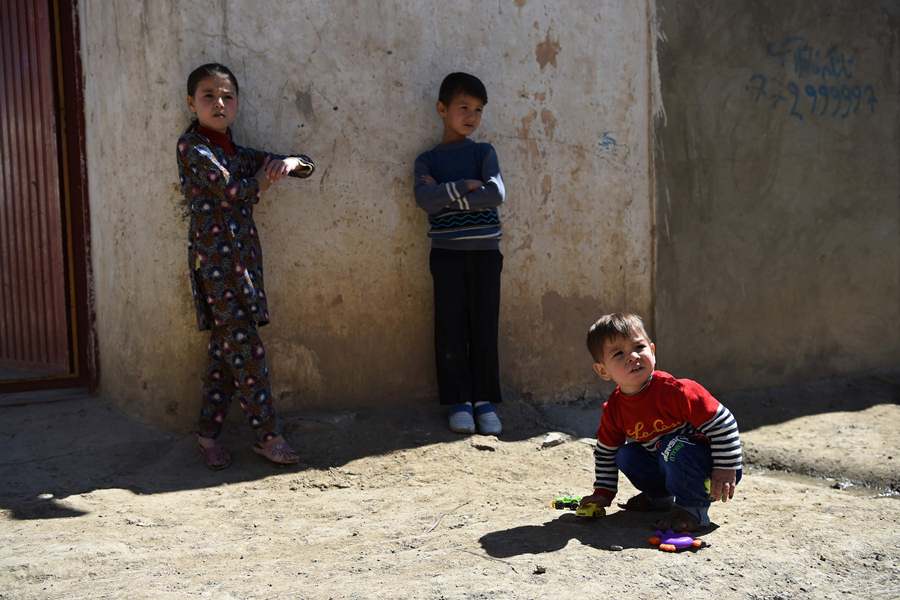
{"x":724,"y":439}
{"x":453,"y":192}
{"x":493,"y":192}
{"x":435,"y":197}
{"x":606,"y":474}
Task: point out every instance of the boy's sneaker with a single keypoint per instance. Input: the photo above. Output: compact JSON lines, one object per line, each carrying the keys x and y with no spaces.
{"x":488,"y":421}
{"x":461,"y":420}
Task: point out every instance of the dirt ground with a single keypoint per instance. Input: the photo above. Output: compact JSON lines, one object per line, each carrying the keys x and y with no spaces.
{"x":389,"y":505}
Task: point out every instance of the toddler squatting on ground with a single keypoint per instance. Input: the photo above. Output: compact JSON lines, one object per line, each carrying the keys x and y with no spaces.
{"x":684,"y":449}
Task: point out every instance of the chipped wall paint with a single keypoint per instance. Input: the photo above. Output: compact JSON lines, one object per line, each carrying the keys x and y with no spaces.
{"x":354,"y":85}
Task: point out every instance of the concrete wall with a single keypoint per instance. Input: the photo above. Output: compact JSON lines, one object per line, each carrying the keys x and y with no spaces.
{"x":354,"y":84}
{"x":778,"y":211}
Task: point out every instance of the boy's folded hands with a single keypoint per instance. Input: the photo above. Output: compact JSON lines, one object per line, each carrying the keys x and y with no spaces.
{"x":474,"y":184}
{"x":471,"y":184}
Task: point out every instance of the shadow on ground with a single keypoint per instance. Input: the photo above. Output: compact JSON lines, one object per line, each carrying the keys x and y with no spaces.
{"x":55,"y":450}
{"x":758,"y":408}
{"x":617,"y":531}
{"x":51,"y":451}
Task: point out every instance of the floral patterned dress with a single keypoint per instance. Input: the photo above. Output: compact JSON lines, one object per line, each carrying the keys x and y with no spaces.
{"x":226,"y":273}
{"x":224,"y":252}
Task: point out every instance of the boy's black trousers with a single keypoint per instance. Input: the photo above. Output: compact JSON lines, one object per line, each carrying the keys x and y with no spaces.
{"x":466,"y":320}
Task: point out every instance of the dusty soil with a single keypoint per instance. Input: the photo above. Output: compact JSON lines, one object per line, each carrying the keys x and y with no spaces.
{"x":389,"y":505}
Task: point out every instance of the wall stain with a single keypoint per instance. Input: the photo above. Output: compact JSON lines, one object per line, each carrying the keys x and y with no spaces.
{"x":546,"y":51}
{"x":303,"y":101}
{"x":302,"y":379}
{"x":546,"y":187}
{"x":525,"y":244}
{"x":549,"y":122}
{"x":532,"y":152}
{"x":568,"y":318}
{"x":580,"y":156}
{"x":524,"y":131}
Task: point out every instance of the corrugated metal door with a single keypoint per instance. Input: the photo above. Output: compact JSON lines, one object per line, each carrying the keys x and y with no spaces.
{"x":34,"y":337}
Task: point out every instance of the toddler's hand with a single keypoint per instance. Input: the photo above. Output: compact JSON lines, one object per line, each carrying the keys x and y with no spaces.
{"x":721,"y":484}
{"x":596,"y":499}
{"x":428,"y":180}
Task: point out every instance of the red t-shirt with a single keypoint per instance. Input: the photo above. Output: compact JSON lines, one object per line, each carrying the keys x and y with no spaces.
{"x":663,"y":406}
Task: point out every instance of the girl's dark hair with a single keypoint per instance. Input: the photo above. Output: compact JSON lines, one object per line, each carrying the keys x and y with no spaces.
{"x":208,"y":70}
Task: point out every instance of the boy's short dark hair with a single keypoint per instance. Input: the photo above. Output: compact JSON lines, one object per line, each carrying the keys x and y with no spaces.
{"x":611,"y":326}
{"x":461,"y":83}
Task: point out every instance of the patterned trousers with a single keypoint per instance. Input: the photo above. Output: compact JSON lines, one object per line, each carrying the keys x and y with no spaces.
{"x":237,"y":368}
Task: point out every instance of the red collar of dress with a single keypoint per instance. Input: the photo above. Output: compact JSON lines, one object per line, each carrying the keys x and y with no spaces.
{"x":222,"y":140}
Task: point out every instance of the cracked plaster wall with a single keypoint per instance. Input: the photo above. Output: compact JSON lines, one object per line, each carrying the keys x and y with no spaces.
{"x":779,"y":190}
{"x":354,"y":84}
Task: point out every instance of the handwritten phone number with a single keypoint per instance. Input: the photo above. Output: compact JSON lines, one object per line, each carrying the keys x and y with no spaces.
{"x":810,"y":100}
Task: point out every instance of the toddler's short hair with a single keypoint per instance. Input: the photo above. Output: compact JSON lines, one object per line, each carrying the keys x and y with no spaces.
{"x":461,"y":83}
{"x":612,"y":326}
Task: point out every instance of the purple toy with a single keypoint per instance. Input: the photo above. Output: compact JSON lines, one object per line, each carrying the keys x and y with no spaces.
{"x":669,"y":541}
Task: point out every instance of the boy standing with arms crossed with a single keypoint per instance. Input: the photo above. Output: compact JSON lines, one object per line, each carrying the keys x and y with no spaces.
{"x":458,"y":184}
{"x":685,"y":449}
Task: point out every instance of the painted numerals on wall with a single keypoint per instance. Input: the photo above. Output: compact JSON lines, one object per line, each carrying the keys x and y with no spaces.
{"x":822,"y":85}
{"x":808,"y":100}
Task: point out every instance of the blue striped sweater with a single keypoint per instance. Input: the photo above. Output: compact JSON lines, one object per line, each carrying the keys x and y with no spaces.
{"x":459,"y":219}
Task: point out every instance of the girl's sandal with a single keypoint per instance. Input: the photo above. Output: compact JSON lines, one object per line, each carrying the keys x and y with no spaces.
{"x":216,"y":457}
{"x":278,"y":451}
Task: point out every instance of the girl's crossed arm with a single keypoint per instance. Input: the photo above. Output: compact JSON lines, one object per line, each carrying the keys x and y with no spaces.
{"x":276,"y":166}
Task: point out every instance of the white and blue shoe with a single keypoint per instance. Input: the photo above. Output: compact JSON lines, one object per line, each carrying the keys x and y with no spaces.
{"x":460,"y":419}
{"x":488,"y":421}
